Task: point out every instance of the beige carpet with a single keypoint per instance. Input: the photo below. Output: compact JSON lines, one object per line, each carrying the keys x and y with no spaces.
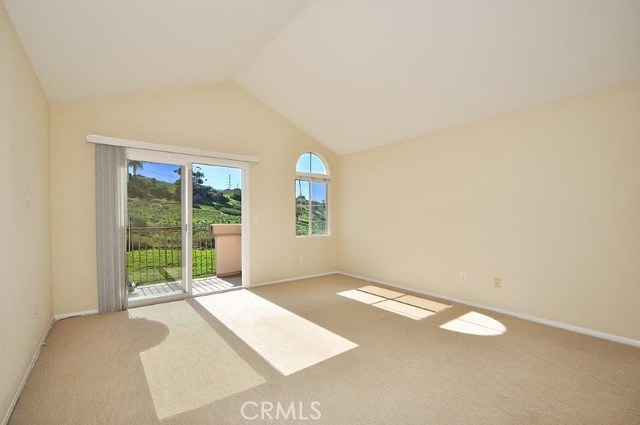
{"x":193,"y":365}
{"x":287,"y":341}
{"x":96,"y":369}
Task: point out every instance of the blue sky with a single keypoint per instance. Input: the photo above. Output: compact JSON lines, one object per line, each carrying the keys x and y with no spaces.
{"x":216,"y":177}
{"x":319,"y":190}
{"x":310,"y":163}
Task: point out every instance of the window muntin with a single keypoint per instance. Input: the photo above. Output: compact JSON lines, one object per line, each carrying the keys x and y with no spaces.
{"x":311,"y":196}
{"x":310,"y":163}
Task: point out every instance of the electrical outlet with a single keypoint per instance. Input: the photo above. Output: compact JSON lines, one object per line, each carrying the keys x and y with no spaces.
{"x":36,"y":312}
{"x":463,"y":277}
{"x":301,"y":260}
{"x":497,"y":282}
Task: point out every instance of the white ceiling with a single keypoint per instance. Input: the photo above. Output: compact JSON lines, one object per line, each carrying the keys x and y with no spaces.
{"x":86,"y":49}
{"x":352,"y":73}
{"x":360,"y":73}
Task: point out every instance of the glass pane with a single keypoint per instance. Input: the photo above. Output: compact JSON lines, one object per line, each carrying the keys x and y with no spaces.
{"x":319,"y":208}
{"x":217,"y":199}
{"x":154,"y":229}
{"x":302,"y":207}
{"x":302,"y":191}
{"x":304,"y":163}
{"x":302,"y":220}
{"x":317,"y":166}
{"x":319,"y":220}
{"x":310,"y":163}
{"x":217,"y":194}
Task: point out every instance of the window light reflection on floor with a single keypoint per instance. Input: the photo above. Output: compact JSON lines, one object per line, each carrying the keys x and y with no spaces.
{"x":287,"y":341}
{"x":473,"y":323}
{"x":410,"y":306}
{"x":363,"y":297}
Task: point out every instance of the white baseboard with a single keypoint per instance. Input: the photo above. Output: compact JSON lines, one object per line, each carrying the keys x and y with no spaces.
{"x":574,"y":328}
{"x":36,"y":354}
{"x":79,"y":313}
{"x":273,"y":282}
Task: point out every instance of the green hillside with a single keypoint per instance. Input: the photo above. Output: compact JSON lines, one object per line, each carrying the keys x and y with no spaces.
{"x":155,"y":203}
{"x":154,"y":238}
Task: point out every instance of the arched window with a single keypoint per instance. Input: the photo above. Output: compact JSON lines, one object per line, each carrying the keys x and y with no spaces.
{"x":312,"y":182}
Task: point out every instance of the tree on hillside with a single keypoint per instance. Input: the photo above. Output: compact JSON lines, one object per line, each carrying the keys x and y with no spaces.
{"x":219,"y":197}
{"x":197,"y":177}
{"x":135,"y":166}
{"x":201,"y":192}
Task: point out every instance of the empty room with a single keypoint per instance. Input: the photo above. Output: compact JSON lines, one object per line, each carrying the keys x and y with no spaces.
{"x":320,"y":211}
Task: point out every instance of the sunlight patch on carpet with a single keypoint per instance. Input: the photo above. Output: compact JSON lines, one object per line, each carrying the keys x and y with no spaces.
{"x":410,"y":306}
{"x":382,"y":292}
{"x":405,"y":310}
{"x":474,"y":323}
{"x":193,"y":366}
{"x":285,"y":340}
{"x":363,"y":297}
{"x":423,"y":303}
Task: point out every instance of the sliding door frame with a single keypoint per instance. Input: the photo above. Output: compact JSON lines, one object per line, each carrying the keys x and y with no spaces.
{"x":187,"y":161}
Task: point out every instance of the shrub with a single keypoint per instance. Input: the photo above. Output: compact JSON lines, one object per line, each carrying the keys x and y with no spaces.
{"x":137,"y":222}
{"x":230,"y":211}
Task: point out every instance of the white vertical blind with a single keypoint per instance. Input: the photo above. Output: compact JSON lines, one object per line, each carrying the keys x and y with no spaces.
{"x":110,"y":227}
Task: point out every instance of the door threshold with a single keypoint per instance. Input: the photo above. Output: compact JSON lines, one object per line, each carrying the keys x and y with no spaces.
{"x":141,"y":302}
{"x":219,"y":291}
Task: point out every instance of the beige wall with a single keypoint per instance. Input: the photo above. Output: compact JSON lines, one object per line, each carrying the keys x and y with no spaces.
{"x":547,"y":198}
{"x":219,"y":117}
{"x":25,"y":242}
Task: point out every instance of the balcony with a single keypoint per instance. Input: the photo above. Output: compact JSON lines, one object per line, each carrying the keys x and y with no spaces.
{"x":154,"y":262}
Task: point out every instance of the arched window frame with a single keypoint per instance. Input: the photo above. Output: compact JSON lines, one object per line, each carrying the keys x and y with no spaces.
{"x":312,"y":178}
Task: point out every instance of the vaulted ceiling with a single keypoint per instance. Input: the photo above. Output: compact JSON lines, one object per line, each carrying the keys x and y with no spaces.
{"x":352,"y":73}
{"x":87,"y":49}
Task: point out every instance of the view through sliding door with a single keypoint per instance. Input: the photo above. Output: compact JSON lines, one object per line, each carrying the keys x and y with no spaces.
{"x":216,"y":214}
{"x":155,"y":230}
{"x":184,"y":227}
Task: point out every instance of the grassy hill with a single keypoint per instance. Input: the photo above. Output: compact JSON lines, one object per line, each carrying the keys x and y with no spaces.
{"x":155,"y":239}
{"x":155,"y":203}
{"x":163,"y":212}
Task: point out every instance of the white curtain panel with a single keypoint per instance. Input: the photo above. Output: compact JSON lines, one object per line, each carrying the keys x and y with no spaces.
{"x":111,"y":178}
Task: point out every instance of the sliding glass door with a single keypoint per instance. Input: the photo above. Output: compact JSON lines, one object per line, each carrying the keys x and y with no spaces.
{"x":155,"y":229}
{"x":184,"y":231}
{"x":216,"y":214}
